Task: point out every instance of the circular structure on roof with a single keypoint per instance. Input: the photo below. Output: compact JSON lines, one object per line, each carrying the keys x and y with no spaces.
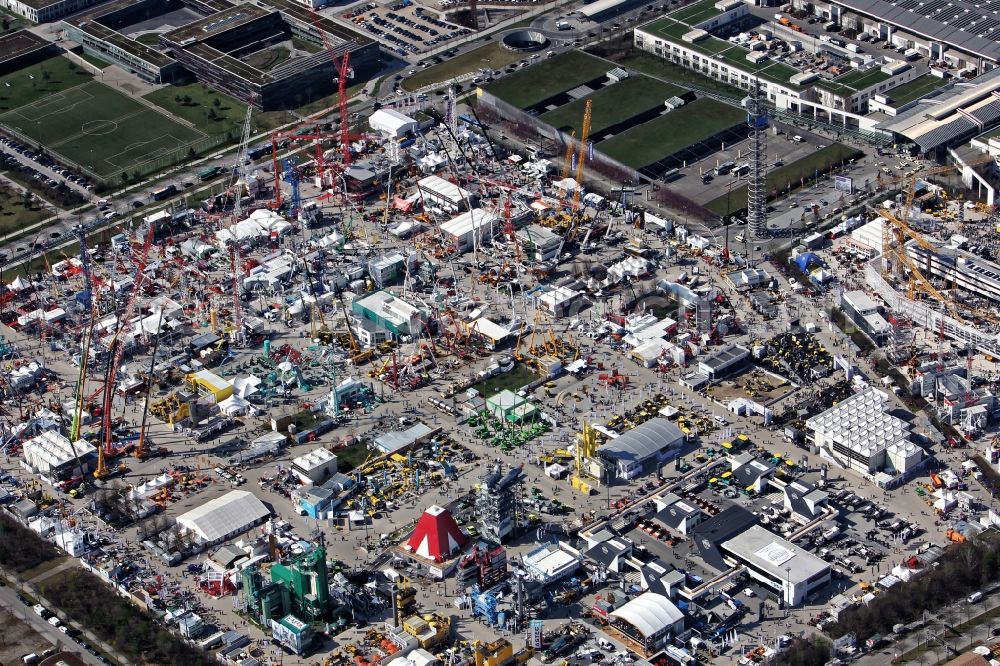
{"x":525,"y":40}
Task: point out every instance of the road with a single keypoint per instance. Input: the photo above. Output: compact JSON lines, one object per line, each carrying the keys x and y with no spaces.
{"x":8,"y":598}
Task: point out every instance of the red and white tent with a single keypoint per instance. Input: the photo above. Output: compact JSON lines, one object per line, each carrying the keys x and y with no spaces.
{"x":437,"y":536}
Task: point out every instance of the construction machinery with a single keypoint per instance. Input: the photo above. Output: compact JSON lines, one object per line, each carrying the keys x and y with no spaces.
{"x":581,"y":155}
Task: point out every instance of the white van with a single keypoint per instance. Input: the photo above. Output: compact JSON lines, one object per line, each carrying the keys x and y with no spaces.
{"x":975,"y":596}
{"x":798,"y":139}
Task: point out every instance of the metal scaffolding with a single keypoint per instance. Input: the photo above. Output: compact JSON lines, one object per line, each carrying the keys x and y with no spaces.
{"x":757,"y":186}
{"x":498,"y":503}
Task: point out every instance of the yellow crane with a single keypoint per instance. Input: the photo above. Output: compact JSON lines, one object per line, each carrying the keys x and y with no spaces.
{"x":580,"y":155}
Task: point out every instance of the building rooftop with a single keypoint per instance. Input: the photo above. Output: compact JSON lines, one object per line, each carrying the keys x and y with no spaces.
{"x":778,"y":557}
{"x":861,"y":423}
{"x":232,"y":512}
{"x":643,"y":441}
{"x":216,"y":24}
{"x":316,"y":458}
{"x":650,"y":613}
{"x":20,"y":42}
{"x":967,"y":25}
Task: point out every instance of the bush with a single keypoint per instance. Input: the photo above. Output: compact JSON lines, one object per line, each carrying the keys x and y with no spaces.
{"x":802,"y":652}
{"x":20,"y":548}
{"x":120,"y":623}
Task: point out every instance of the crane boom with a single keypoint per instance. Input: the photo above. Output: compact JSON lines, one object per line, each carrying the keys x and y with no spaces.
{"x":581,"y":153}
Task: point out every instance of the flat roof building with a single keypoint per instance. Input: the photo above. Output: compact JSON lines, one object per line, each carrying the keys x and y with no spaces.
{"x":315,"y":466}
{"x":391,"y":313}
{"x":778,"y":564}
{"x":725,"y":361}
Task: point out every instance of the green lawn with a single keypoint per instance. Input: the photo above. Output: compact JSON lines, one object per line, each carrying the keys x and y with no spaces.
{"x":267,"y":59}
{"x":149,"y":38}
{"x":788,"y":177}
{"x":307,"y":46}
{"x":514,"y":380}
{"x":100,"y":63}
{"x":548,"y":77}
{"x":39,"y":80}
{"x":101,"y":129}
{"x":915,"y":89}
{"x":613,"y":104}
{"x":14,"y":215}
{"x":661,"y":69}
{"x":696,"y":13}
{"x":229,"y":115}
{"x":671,"y":132}
{"x":492,"y":55}
{"x":859,"y":80}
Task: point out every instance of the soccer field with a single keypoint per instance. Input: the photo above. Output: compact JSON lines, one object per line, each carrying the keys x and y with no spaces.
{"x":102,"y":130}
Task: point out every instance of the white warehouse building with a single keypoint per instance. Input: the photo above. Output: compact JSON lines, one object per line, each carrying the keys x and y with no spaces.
{"x":470,"y":229}
{"x":315,"y":466}
{"x":862,"y":435}
{"x":53,"y":455}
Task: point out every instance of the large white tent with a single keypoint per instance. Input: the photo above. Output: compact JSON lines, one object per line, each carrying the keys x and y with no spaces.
{"x":224,"y":517}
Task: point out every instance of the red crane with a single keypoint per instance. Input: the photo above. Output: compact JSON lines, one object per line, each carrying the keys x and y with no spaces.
{"x":117,"y":348}
{"x":344,"y":73}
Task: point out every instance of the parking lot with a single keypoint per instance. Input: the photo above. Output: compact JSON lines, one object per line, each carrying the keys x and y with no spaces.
{"x":406,"y":29}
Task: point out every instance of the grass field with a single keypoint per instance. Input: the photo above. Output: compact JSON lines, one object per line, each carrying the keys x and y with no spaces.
{"x":39,"y":80}
{"x":100,"y":63}
{"x":149,"y":38}
{"x":548,"y":77}
{"x":661,"y":69}
{"x":492,"y":55}
{"x":859,"y":80}
{"x":915,"y":89}
{"x":788,"y":177}
{"x":192,"y":103}
{"x":613,"y":104}
{"x":13,"y":213}
{"x":671,"y":132}
{"x":514,"y":380}
{"x":100,"y":128}
{"x":267,"y":59}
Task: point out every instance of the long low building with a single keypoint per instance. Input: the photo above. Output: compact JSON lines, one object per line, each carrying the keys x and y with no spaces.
{"x":224,"y":517}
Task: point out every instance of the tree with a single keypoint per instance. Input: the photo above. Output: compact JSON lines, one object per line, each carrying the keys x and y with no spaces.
{"x":125,"y":177}
{"x":72,"y":66}
{"x":211,"y":115}
{"x":187,"y":100}
{"x":177,"y":99}
{"x":46,"y":75}
{"x":216,"y":102}
{"x":5,"y":24}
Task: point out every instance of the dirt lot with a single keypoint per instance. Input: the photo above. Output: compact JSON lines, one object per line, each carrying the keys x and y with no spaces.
{"x":755,"y":384}
{"x":18,"y":639}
